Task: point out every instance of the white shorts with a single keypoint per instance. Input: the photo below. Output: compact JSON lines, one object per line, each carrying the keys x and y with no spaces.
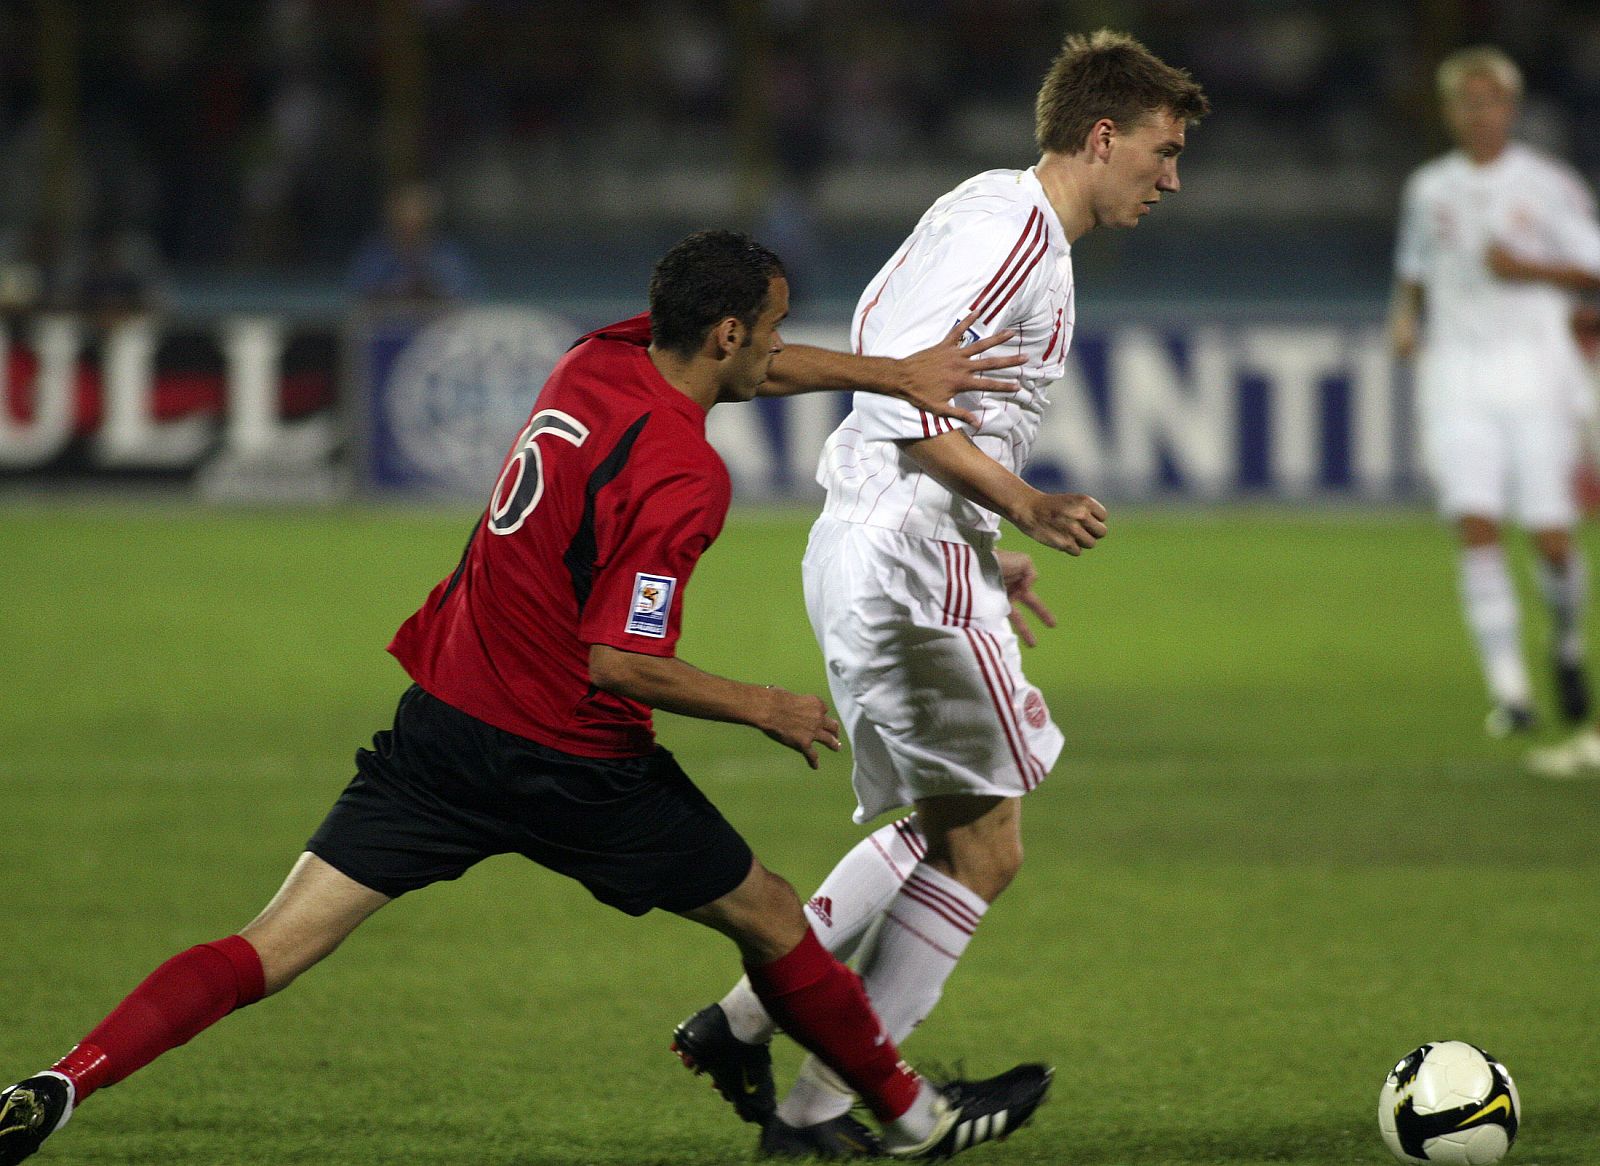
{"x":924,"y":669}
{"x":1500,"y":439}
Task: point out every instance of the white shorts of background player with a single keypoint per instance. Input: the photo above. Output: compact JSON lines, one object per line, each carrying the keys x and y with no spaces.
{"x":1501,"y":431}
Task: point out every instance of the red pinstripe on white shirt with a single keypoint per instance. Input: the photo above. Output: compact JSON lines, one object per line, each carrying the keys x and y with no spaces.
{"x":1033,"y":244}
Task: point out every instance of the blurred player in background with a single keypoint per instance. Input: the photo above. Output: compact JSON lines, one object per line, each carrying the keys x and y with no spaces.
{"x":1494,"y":239}
{"x":908,"y":595}
{"x":528,"y":728}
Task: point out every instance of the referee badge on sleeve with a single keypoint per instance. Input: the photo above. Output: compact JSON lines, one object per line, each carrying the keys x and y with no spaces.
{"x":652,"y":603}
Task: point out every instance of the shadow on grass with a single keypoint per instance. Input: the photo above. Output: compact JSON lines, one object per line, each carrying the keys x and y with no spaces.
{"x":1559,"y":1137}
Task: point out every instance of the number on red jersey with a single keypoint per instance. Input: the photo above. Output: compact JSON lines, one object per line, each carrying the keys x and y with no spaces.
{"x":521,"y":483}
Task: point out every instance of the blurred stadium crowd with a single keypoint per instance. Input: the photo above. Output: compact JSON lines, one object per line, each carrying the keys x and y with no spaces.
{"x":148,"y":147}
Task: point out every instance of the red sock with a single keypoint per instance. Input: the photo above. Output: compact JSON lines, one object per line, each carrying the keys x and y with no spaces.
{"x":180,"y":999}
{"x":822,"y":1005}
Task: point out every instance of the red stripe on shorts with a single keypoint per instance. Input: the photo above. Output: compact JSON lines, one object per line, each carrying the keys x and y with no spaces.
{"x":1006,"y":725}
{"x":1034,"y":773}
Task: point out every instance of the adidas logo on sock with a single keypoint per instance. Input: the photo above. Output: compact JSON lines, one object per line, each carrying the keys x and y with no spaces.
{"x":822,"y":907}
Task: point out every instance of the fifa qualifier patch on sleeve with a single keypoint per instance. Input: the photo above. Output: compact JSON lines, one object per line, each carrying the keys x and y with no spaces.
{"x":652,"y":603}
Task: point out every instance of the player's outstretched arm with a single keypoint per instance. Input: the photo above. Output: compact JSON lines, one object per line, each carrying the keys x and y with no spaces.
{"x":928,"y":379}
{"x":1065,"y":522}
{"x":1405,"y":318}
{"x":1506,"y":264}
{"x":664,"y":682}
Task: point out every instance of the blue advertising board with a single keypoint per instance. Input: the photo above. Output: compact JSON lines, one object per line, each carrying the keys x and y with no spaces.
{"x":1195,"y":407}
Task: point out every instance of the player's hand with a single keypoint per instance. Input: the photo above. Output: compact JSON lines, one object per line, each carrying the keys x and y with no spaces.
{"x":800,"y":722}
{"x":1505,"y":265}
{"x":1064,"y":522}
{"x":1500,"y":262}
{"x":1018,"y":574}
{"x":1586,"y":330}
{"x":931,"y":378}
{"x":1404,"y":334}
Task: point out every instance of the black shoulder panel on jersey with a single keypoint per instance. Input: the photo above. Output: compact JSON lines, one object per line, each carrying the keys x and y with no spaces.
{"x":461,"y":567}
{"x":581,"y":551}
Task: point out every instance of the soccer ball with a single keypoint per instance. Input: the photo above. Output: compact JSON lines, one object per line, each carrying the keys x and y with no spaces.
{"x":1449,"y":1102}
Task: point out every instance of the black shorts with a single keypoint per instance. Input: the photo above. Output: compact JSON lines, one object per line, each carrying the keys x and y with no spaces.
{"x":444,"y":790}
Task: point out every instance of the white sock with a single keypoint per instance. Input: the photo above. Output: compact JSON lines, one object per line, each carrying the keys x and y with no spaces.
{"x":927,"y":928}
{"x":1566,"y":593}
{"x":747,"y":1019}
{"x":842,"y":912}
{"x":915,"y":1124}
{"x":1490,"y":601}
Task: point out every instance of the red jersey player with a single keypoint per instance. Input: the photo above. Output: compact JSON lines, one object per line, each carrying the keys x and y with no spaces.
{"x":536,"y":664}
{"x":605,"y":504}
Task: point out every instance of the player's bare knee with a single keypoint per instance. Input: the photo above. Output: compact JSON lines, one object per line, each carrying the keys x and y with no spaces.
{"x":986,"y":872}
{"x":1478,"y":531}
{"x":1554,"y":546}
{"x":778,"y":922}
{"x":1005,"y":861}
{"x":976,"y":841}
{"x":762,"y":915}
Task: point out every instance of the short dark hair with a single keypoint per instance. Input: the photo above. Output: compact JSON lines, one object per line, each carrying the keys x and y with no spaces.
{"x":1108,"y":74}
{"x":707,"y":277}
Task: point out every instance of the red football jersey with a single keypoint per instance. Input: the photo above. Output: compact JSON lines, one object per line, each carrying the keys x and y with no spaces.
{"x":603,"y":506}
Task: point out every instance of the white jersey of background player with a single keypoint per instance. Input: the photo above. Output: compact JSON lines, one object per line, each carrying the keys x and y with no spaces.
{"x":1494,"y":239}
{"x":908,"y":596}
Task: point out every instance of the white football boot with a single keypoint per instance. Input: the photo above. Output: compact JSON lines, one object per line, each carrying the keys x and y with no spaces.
{"x":1575,"y":757}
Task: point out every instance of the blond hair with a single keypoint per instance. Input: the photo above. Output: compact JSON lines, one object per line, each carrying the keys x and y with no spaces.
{"x":1108,"y":74}
{"x":1478,"y":61}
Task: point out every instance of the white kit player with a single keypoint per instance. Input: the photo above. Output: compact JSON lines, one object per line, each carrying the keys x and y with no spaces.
{"x":1494,"y":239}
{"x":916,"y":610}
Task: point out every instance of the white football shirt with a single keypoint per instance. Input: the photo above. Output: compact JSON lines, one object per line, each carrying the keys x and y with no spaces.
{"x":993,"y":245}
{"x":1453,"y":210}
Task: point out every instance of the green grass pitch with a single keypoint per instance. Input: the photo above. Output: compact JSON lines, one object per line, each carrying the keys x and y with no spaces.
{"x":1277,"y":855}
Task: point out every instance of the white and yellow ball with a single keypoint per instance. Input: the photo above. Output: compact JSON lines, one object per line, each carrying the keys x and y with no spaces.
{"x":1449,"y":1101}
